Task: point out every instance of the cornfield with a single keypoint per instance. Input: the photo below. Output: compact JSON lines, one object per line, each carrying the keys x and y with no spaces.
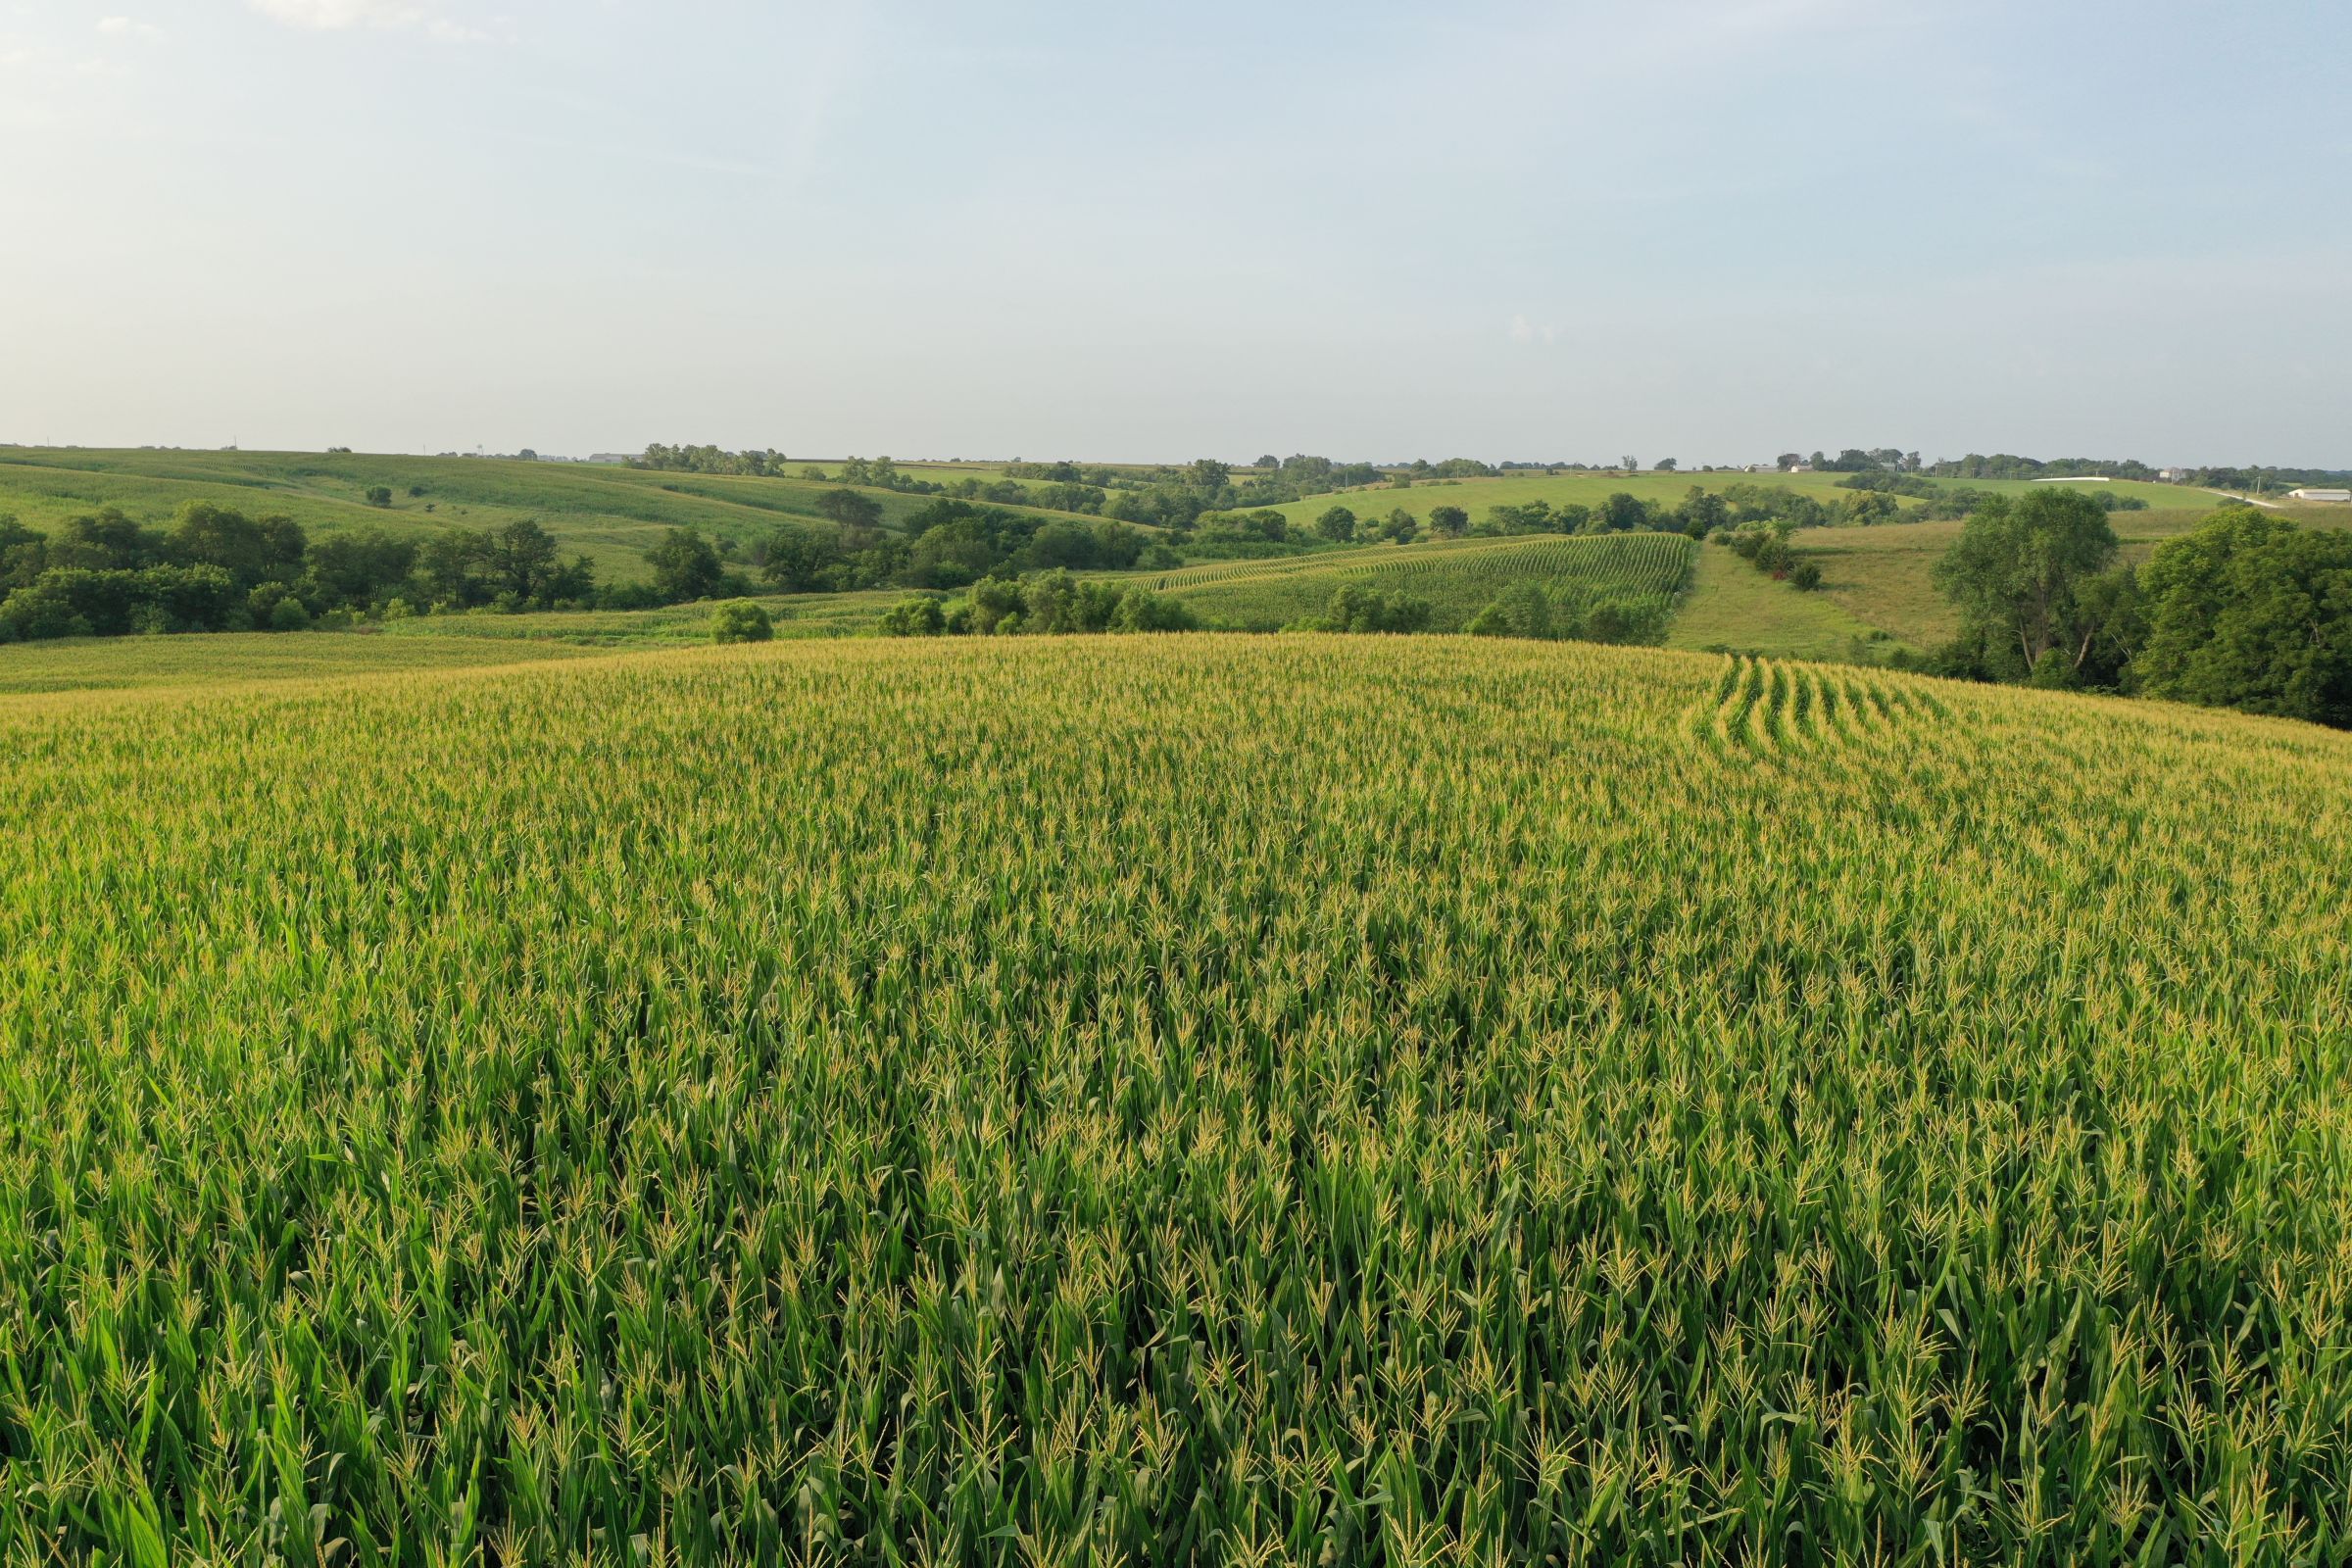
{"x":1638,"y":571}
{"x":1174,"y":1100}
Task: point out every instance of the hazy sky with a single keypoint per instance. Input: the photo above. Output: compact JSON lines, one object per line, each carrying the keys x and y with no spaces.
{"x":1711,"y":229}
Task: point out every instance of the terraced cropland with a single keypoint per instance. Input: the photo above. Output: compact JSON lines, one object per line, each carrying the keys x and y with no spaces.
{"x":1222,"y":1100}
{"x":1457,"y":578}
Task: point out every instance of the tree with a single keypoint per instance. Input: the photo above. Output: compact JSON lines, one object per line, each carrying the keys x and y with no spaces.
{"x":379,"y":496}
{"x":252,"y":553}
{"x":1452,"y":522}
{"x":2252,"y":611}
{"x":2017,"y":576}
{"x":795,"y":557}
{"x":1620,"y":512}
{"x":22,"y":553}
{"x":362,"y":567}
{"x":1667,"y":464}
{"x":849,"y":508}
{"x":1522,"y":609}
{"x":1786,"y":461}
{"x":685,"y":566}
{"x":105,"y":542}
{"x":1357,"y":608}
{"x":289,"y":616}
{"x":1269,"y":462}
{"x":1703,"y":512}
{"x":1337,"y":524}
{"x":1630,"y":464}
{"x":914,"y":618}
{"x":740,"y":620}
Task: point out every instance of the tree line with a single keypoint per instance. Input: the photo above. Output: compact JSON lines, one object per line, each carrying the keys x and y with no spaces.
{"x":2250,"y":611}
{"x":212,"y":568}
{"x":1041,"y":603}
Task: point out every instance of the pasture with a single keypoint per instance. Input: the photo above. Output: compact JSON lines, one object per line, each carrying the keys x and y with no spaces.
{"x":1176,"y":1098}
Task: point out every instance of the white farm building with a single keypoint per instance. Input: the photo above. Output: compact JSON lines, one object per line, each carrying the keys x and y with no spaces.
{"x":2334,"y":497}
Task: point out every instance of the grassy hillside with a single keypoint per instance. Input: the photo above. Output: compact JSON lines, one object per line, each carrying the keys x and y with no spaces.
{"x":1171,"y":1099}
{"x":1458,"y":578}
{"x":611,"y":514}
{"x":1732,"y":606}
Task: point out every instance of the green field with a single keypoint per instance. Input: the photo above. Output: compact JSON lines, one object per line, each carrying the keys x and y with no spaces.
{"x":1166,"y":1100}
{"x":609,"y":514}
{"x":1458,"y":578}
{"x":1732,"y":606}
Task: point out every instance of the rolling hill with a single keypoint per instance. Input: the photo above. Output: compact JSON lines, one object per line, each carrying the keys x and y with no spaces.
{"x":1332,"y":1098}
{"x":609,"y":514}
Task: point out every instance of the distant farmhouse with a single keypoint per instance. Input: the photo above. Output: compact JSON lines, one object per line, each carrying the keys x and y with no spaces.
{"x":614,"y":460}
{"x":2174,"y":475}
{"x":2336,"y":498}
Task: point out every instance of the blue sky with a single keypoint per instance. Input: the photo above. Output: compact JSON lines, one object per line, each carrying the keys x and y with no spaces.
{"x":1712,"y":229}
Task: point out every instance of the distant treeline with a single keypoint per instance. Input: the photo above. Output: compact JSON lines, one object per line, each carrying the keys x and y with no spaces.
{"x":1041,"y":603}
{"x":217,"y":570}
{"x":946,"y":544}
{"x":2007,"y":465}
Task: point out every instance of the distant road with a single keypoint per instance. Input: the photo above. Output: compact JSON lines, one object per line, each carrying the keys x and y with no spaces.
{"x":2243,"y":501}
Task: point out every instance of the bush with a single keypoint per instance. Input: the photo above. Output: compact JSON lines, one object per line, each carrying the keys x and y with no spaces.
{"x":1141,"y":610}
{"x":1523,"y":610}
{"x":741,"y":621}
{"x":1355,"y":609}
{"x":1805,"y":577}
{"x":380,"y":496}
{"x":289,"y":616}
{"x":914,"y":618}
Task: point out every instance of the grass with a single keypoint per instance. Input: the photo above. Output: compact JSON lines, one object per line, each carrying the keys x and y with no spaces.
{"x":609,"y":514}
{"x":1458,"y":578}
{"x":1732,"y":606}
{"x":1165,"y":1100}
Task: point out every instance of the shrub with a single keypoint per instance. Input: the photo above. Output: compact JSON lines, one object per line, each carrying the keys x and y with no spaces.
{"x":1805,"y":576}
{"x":741,"y":621}
{"x":1355,"y":609}
{"x":380,"y":496}
{"x":1522,"y":609}
{"x":913,"y":616}
{"x":289,"y":614}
